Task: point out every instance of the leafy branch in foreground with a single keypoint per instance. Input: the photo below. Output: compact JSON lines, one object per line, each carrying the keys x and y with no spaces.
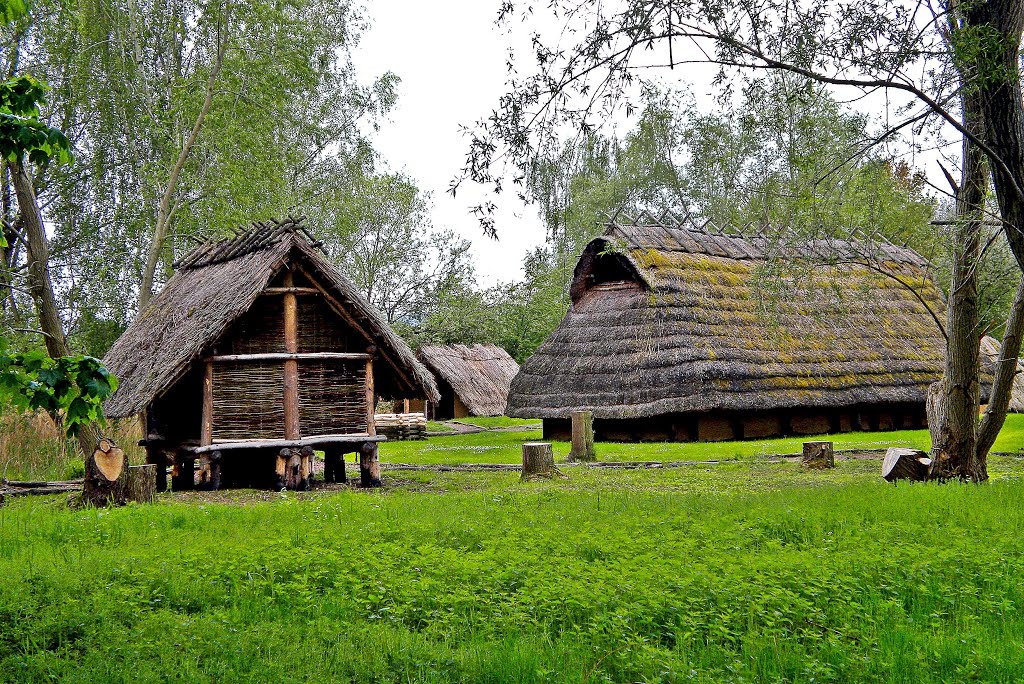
{"x":70,"y":387}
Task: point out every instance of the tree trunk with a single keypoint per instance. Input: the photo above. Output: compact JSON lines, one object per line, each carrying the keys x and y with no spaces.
{"x":369,"y":466}
{"x":142,"y":483}
{"x":582,"y":436}
{"x":954,"y":445}
{"x":40,"y":285}
{"x":538,"y":460}
{"x":818,"y":455}
{"x":1006,"y":370}
{"x":106,"y":475}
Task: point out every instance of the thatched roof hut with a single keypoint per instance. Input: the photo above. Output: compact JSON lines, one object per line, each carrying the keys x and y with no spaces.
{"x":674,"y":332}
{"x":259,"y":340}
{"x":990,"y":348}
{"x":473,"y":379}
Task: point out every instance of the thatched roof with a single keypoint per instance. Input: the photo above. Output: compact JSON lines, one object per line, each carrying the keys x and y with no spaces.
{"x":217,"y":283}
{"x":479,"y":374}
{"x":683,"y":318}
{"x":990,"y":348}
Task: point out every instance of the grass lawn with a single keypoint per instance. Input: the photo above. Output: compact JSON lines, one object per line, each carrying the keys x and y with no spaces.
{"x":747,"y":571}
{"x":505,"y":447}
{"x":744,"y":572}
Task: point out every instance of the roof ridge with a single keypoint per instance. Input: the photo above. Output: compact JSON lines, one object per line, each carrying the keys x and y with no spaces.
{"x":259,"y":235}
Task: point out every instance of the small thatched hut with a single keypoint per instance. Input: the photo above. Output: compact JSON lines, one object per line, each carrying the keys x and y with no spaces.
{"x":258,"y":344}
{"x":473,"y":379}
{"x":990,"y":348}
{"x":674,"y":333}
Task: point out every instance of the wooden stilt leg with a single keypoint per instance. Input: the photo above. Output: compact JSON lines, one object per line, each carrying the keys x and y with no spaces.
{"x":306,"y":456}
{"x":369,"y":466}
{"x":184,"y":477}
{"x":281,"y":468}
{"x":332,"y":467}
{"x":158,"y":458}
{"x":344,"y":477}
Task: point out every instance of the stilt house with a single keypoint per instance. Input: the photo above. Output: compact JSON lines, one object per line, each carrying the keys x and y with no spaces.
{"x":683,"y":332}
{"x":473,"y":379}
{"x":255,"y":352}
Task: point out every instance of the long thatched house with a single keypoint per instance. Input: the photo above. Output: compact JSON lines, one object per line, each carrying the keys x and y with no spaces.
{"x":255,"y":345}
{"x":473,"y":379}
{"x":990,"y":348}
{"x":682,"y":332}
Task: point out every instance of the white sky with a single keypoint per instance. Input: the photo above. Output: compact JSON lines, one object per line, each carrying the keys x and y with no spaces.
{"x":451,"y":59}
{"x":452,"y":62}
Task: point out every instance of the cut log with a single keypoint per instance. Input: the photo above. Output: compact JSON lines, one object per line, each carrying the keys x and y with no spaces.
{"x":142,"y":483}
{"x":818,"y":455}
{"x":209,"y":471}
{"x":582,"y":437}
{"x":905,"y":464}
{"x":308,"y":456}
{"x":106,"y":475}
{"x":369,"y":466}
{"x":291,"y":470}
{"x":538,"y":460}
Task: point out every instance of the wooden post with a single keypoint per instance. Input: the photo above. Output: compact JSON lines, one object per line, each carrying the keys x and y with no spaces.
{"x":582,"y":436}
{"x":818,"y":455}
{"x":209,"y":471}
{"x":157,"y":457}
{"x":538,"y":460}
{"x":905,"y":464}
{"x":207,"y":429}
{"x":183,"y":476}
{"x":281,"y":469}
{"x":307,"y":455}
{"x":291,"y":366}
{"x":371,"y":427}
{"x":332,"y":464}
{"x":369,"y":465}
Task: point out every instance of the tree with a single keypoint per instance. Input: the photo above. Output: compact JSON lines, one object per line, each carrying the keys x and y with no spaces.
{"x":75,"y":386}
{"x":950,"y":64}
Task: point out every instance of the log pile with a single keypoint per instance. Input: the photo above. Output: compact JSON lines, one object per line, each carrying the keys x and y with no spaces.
{"x":401,"y":426}
{"x":905,"y":464}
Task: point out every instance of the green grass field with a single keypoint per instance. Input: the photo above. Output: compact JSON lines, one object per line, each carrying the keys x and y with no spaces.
{"x":505,"y":447}
{"x":745,"y":571}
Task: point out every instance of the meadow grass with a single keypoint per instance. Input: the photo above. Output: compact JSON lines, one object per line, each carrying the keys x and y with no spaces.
{"x":742,"y":572}
{"x":506,"y":447}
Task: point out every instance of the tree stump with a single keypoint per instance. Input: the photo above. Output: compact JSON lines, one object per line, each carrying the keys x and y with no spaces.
{"x":582,"y":437}
{"x":905,"y":464}
{"x":818,"y":455}
{"x":106,"y":475}
{"x":209,"y":471}
{"x":538,"y":460}
{"x":142,"y":483}
{"x":369,"y":465}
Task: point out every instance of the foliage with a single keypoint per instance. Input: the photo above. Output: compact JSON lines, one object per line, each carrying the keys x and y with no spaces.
{"x":72,"y":387}
{"x":22,"y":132}
{"x":757,"y":573}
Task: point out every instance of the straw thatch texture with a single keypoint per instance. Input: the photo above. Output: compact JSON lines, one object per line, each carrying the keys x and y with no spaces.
{"x":990,"y":348}
{"x":479,"y":374}
{"x":679,"y":320}
{"x":213,"y":288}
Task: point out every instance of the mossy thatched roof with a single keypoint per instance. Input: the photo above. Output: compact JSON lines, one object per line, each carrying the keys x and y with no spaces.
{"x":680,"y":319}
{"x":217,"y":283}
{"x":479,"y":374}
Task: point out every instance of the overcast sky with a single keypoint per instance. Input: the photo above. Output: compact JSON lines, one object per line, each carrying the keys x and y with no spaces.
{"x":451,"y":60}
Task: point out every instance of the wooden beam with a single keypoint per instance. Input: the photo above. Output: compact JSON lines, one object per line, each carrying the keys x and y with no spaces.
{"x":279,"y":356}
{"x":291,"y":290}
{"x":291,"y":365}
{"x":206,"y":434}
{"x":318,"y":441}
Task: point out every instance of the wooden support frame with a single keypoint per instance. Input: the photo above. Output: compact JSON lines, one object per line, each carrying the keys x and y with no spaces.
{"x":206,"y":433}
{"x":371,"y":399}
{"x":291,"y":365}
{"x":279,"y":356}
{"x":291,"y":290}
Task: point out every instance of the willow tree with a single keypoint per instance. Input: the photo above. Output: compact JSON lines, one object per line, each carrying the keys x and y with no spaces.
{"x":949,"y":64}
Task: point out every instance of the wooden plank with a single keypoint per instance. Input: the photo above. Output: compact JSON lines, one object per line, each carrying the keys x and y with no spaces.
{"x":285,"y":356}
{"x":206,"y":436}
{"x":291,"y":290}
{"x":320,"y":440}
{"x":291,"y":365}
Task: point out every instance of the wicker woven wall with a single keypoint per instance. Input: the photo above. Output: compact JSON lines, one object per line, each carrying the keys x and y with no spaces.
{"x":259,"y":331}
{"x":248,"y":400}
{"x":321,"y":330}
{"x":332,"y":397}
